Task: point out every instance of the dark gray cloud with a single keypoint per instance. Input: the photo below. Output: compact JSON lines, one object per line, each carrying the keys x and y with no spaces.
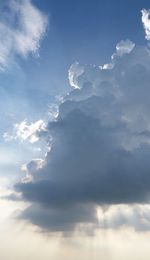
{"x":60,"y":219}
{"x":100,"y":145}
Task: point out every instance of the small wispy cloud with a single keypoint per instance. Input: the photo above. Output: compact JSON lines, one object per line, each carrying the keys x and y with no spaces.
{"x":22,"y":26}
{"x":146,"y":22}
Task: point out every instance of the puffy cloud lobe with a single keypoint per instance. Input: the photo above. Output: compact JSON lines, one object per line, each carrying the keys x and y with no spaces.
{"x":124,"y":47}
{"x":29,"y":132}
{"x":135,"y":216}
{"x":74,"y":72}
{"x":31,"y":168}
{"x":100,"y":146}
{"x":64,"y":219}
{"x":22,"y":26}
{"x":26,"y":131}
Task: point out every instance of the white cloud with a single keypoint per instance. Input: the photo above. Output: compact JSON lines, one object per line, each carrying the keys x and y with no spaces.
{"x":146,"y":22}
{"x":31,"y":168}
{"x":124,"y":47}
{"x":26,"y":132}
{"x":21,"y":30}
{"x":29,"y":132}
{"x":74,"y":72}
{"x":116,"y":216}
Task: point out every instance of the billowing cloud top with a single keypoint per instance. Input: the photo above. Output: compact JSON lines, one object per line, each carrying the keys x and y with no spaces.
{"x":100,"y":147}
{"x":22,"y":27}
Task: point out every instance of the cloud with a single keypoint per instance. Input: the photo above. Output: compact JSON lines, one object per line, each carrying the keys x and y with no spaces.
{"x":146,"y":22}
{"x":100,"y":146}
{"x":135,"y":216}
{"x":22,"y":26}
{"x":60,"y":219}
{"x":26,"y":132}
{"x":74,"y":72}
{"x":124,"y":47}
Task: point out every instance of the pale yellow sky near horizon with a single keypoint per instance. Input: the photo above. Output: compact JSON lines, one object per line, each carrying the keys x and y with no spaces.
{"x":22,"y":241}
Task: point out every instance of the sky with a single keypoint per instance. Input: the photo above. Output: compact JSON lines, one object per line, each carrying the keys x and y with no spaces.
{"x":74,"y":129}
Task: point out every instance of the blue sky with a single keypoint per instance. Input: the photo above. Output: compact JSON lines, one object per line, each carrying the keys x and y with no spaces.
{"x":92,"y":27}
{"x":74,"y":129}
{"x":75,"y":30}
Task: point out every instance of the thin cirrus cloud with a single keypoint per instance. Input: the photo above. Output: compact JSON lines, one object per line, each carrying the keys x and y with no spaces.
{"x":100,"y":147}
{"x":22,"y":26}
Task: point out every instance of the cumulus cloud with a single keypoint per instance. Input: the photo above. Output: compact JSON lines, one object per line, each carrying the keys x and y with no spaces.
{"x":22,"y":26}
{"x":100,"y":147}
